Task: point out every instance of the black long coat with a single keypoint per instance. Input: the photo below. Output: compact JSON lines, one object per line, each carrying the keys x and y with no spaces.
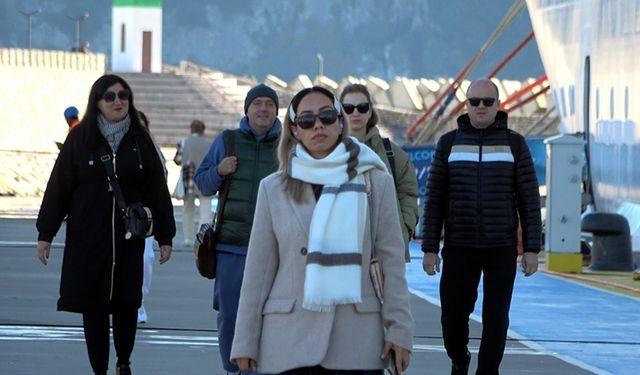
{"x":99,"y":265}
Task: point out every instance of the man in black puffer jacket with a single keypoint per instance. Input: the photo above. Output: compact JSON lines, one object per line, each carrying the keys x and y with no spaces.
{"x":481,"y":184}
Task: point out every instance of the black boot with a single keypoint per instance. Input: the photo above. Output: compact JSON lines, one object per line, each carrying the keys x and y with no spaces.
{"x":123,"y":369}
{"x":461,"y":368}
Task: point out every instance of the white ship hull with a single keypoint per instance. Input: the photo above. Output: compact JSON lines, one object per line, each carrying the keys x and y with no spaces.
{"x":591,"y":53}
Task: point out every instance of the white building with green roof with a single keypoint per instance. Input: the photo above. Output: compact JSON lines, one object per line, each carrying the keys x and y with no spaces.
{"x":136,"y":36}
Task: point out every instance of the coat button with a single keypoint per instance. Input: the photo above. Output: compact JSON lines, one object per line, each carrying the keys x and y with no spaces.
{"x":303,"y":251}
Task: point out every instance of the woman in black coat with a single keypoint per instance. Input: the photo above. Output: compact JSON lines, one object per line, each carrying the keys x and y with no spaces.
{"x":101,"y":270}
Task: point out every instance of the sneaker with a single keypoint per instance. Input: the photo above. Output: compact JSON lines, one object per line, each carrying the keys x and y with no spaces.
{"x":142,"y":315}
{"x":461,"y":368}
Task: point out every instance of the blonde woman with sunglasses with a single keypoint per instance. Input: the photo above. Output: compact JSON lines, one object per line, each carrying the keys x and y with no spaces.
{"x":307,"y":304}
{"x":363,"y":117}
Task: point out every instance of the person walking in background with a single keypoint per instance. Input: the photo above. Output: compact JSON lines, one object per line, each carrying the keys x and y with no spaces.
{"x":363,"y":118}
{"x":71,"y":117}
{"x":481,"y":183}
{"x":189,"y":155}
{"x":308,"y":305}
{"x":255,"y":145}
{"x":101,"y":270}
{"x":149,"y":256}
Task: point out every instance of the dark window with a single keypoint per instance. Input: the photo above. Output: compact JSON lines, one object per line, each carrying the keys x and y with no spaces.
{"x":572,"y":107}
{"x":626,"y":102}
{"x":612,"y":104}
{"x":563,"y":102}
{"x":556,"y":99}
{"x":597,"y":104}
{"x":586,"y":99}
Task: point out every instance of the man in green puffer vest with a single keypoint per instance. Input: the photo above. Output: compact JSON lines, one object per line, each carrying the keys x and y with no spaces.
{"x":254,"y":158}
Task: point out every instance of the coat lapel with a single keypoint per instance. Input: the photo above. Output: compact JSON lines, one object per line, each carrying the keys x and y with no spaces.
{"x":304,"y":211}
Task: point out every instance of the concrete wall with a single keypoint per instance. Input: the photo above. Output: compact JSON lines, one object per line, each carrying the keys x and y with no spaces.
{"x":37,"y":86}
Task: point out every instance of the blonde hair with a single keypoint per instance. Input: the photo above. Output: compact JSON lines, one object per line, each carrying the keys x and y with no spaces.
{"x":362,"y":89}
{"x":287,"y":142}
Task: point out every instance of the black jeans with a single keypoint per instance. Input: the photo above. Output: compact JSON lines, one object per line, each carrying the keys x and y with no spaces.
{"x":96,"y":333}
{"x":319,"y":370}
{"x":461,"y":272}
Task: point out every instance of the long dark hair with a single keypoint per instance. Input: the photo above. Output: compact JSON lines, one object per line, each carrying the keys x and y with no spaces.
{"x":145,"y":121}
{"x":89,"y":122}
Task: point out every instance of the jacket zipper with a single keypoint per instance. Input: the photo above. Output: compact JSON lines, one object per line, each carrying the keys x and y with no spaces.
{"x":113,"y":236}
{"x":137,"y":150}
{"x":256,"y":169}
{"x":479,"y":202}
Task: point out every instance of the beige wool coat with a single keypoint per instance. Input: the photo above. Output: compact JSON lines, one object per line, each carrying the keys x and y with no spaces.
{"x":274,"y":329}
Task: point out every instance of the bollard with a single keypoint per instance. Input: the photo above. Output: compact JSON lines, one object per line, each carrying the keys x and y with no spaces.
{"x":611,"y":249}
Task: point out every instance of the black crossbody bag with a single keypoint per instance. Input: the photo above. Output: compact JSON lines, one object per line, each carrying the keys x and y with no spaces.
{"x":138,"y":220}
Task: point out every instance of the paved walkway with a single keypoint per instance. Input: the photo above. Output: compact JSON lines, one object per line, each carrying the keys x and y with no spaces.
{"x":583,"y":325}
{"x":593,"y":329}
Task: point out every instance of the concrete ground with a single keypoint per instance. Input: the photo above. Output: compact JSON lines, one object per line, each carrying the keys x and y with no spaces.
{"x":546,"y":337}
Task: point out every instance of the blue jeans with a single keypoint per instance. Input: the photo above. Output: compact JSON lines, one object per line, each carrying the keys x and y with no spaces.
{"x":226,"y":295}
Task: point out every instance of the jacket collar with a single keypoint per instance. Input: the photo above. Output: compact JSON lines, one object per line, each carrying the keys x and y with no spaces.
{"x":373,"y":136}
{"x":274,"y":132}
{"x":464,"y":123}
{"x":304,"y":211}
{"x":99,"y":140}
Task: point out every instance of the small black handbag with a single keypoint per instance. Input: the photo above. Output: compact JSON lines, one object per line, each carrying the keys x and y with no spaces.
{"x":138,"y":220}
{"x":205,"y":250}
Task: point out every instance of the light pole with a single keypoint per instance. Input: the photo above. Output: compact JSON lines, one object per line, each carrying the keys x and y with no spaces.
{"x":79,"y":20}
{"x":29,"y":15}
{"x":320,"y":64}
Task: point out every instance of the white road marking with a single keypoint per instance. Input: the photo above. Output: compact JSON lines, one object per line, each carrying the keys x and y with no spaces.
{"x":155,"y":337}
{"x":31,"y":333}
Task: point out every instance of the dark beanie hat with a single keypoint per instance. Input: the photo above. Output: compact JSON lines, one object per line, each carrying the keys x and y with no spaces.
{"x":258,"y":91}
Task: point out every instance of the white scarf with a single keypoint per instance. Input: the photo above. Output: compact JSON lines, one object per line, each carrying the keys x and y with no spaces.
{"x":336,"y":236}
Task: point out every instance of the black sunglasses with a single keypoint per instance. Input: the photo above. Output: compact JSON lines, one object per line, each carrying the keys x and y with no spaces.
{"x":110,"y":96}
{"x":488,"y":102}
{"x":327,"y":117}
{"x":362,"y":108}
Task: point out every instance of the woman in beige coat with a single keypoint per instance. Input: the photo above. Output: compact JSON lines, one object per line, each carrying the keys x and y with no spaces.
{"x":307,"y":304}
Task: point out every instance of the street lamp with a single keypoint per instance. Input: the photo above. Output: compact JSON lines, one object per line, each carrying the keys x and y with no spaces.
{"x":29,"y":15}
{"x":321,"y":64}
{"x":79,"y":20}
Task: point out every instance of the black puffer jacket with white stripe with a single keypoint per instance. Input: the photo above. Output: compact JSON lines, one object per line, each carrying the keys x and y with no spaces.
{"x":480,"y":188}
